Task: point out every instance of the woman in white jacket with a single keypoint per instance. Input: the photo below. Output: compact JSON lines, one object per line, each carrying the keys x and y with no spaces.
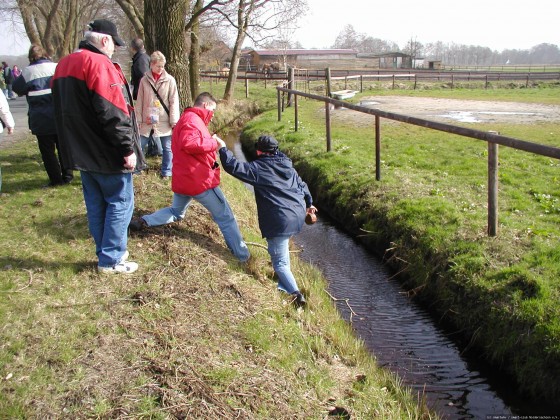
{"x":7,"y":120}
{"x":157,"y":108}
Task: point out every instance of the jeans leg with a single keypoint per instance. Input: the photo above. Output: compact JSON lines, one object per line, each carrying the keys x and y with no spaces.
{"x":279,"y":250}
{"x":216,"y":203}
{"x":110,"y":201}
{"x":96,"y":208}
{"x":47,"y":147}
{"x":167,"y":159}
{"x":144,"y":144}
{"x":170,"y":214}
{"x":157,"y":141}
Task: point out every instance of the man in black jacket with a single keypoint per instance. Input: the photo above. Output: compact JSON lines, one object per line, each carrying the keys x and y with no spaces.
{"x":99,"y":136}
{"x":140,"y":64}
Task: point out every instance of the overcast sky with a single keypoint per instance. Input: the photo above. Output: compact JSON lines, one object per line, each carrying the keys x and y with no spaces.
{"x":498,"y":24}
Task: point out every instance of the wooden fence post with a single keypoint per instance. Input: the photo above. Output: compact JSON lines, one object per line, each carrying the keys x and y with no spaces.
{"x":492,"y":187}
{"x":328,"y":81}
{"x":290,"y":84}
{"x":377,"y":148}
{"x":328,"y":125}
{"x":279,"y":105}
{"x":246,"y":88}
{"x":296,"y":113}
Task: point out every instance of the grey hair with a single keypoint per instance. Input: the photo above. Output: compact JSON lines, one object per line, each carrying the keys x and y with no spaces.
{"x":94,"y":37}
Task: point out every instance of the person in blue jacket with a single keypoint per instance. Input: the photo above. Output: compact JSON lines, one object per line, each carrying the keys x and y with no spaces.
{"x":283,"y":200}
{"x":35,"y":83}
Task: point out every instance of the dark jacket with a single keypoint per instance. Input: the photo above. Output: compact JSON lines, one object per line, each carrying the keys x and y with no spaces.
{"x":140,"y":65}
{"x":281,"y":195}
{"x":93,"y":110}
{"x":35,"y":84}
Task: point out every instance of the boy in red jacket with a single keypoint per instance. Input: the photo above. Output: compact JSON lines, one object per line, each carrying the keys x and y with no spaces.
{"x":196,"y":175}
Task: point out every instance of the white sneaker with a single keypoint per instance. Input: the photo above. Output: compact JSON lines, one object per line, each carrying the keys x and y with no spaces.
{"x":124,"y":257}
{"x":124,"y":267}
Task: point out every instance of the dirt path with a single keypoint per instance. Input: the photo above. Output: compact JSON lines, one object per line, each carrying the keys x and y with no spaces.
{"x":18,"y":108}
{"x":455,"y":110}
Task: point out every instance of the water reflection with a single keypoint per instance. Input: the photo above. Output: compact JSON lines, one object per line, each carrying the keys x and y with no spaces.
{"x":402,"y":336}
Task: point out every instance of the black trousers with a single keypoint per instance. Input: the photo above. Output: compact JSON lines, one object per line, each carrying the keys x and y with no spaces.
{"x":49,"y":148}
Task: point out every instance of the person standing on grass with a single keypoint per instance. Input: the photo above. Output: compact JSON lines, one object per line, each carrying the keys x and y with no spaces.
{"x":35,"y":84}
{"x":8,"y":79}
{"x":196,"y":175}
{"x":7,"y":120}
{"x":140,"y":64}
{"x":157,"y":109}
{"x":99,"y":137}
{"x":283,"y":201}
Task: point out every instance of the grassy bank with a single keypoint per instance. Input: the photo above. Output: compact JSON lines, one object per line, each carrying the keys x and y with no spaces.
{"x":192,"y":334}
{"x":428,"y":218}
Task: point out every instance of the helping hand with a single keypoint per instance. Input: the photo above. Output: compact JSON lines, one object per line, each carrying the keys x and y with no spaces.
{"x":220,"y":142}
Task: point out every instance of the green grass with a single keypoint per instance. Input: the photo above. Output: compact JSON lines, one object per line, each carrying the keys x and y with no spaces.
{"x":428,"y":217}
{"x":191,"y":334}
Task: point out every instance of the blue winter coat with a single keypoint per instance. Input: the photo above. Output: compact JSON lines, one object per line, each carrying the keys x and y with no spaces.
{"x":281,"y":195}
{"x":35,"y":83}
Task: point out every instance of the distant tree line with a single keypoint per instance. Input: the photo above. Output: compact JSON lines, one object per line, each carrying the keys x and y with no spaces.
{"x":449,"y":53}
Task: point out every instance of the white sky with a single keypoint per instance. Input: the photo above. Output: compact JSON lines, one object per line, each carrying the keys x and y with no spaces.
{"x":498,"y":24}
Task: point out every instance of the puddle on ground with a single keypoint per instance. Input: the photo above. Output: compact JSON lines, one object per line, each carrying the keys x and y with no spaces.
{"x":472,"y":116}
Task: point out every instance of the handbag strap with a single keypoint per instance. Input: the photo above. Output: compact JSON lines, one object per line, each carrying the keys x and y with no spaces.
{"x":159,"y":97}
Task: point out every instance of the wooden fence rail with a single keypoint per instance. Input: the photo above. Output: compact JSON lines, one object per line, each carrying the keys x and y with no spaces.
{"x":492,"y":138}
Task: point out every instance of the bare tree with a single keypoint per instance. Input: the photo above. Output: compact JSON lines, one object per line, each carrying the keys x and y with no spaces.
{"x":134,"y":12}
{"x":255,"y":19}
{"x":56,"y":25}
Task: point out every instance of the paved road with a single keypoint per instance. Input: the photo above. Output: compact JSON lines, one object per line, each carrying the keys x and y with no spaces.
{"x":18,"y":107}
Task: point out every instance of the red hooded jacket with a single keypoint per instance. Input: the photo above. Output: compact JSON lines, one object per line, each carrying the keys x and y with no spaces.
{"x":195,"y":169}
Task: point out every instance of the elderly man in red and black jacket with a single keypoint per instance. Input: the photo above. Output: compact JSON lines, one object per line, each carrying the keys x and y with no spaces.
{"x":99,"y":137}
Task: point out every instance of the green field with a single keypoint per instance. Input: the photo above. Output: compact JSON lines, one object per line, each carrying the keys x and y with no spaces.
{"x":428,"y":217}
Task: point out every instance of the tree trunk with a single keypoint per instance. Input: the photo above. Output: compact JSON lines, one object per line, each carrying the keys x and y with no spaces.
{"x":242,"y":17}
{"x":164,"y":22}
{"x":194,"y":55}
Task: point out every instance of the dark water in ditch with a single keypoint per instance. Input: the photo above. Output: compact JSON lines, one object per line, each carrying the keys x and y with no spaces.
{"x":403,"y":337}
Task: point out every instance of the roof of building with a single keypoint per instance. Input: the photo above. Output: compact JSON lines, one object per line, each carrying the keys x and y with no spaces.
{"x":387,"y":54}
{"x":283,"y":52}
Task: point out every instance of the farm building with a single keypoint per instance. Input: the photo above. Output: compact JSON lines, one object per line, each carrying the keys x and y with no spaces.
{"x":391,"y":60}
{"x":320,"y":59}
{"x":301,"y":58}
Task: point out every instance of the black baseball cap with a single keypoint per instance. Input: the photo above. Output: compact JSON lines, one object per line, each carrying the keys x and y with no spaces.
{"x":104,"y":26}
{"x":267,"y":144}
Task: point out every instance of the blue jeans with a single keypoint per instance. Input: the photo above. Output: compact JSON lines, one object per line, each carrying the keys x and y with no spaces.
{"x":109,"y":202}
{"x":215,"y":202}
{"x":163,"y":144}
{"x":279,"y":250}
